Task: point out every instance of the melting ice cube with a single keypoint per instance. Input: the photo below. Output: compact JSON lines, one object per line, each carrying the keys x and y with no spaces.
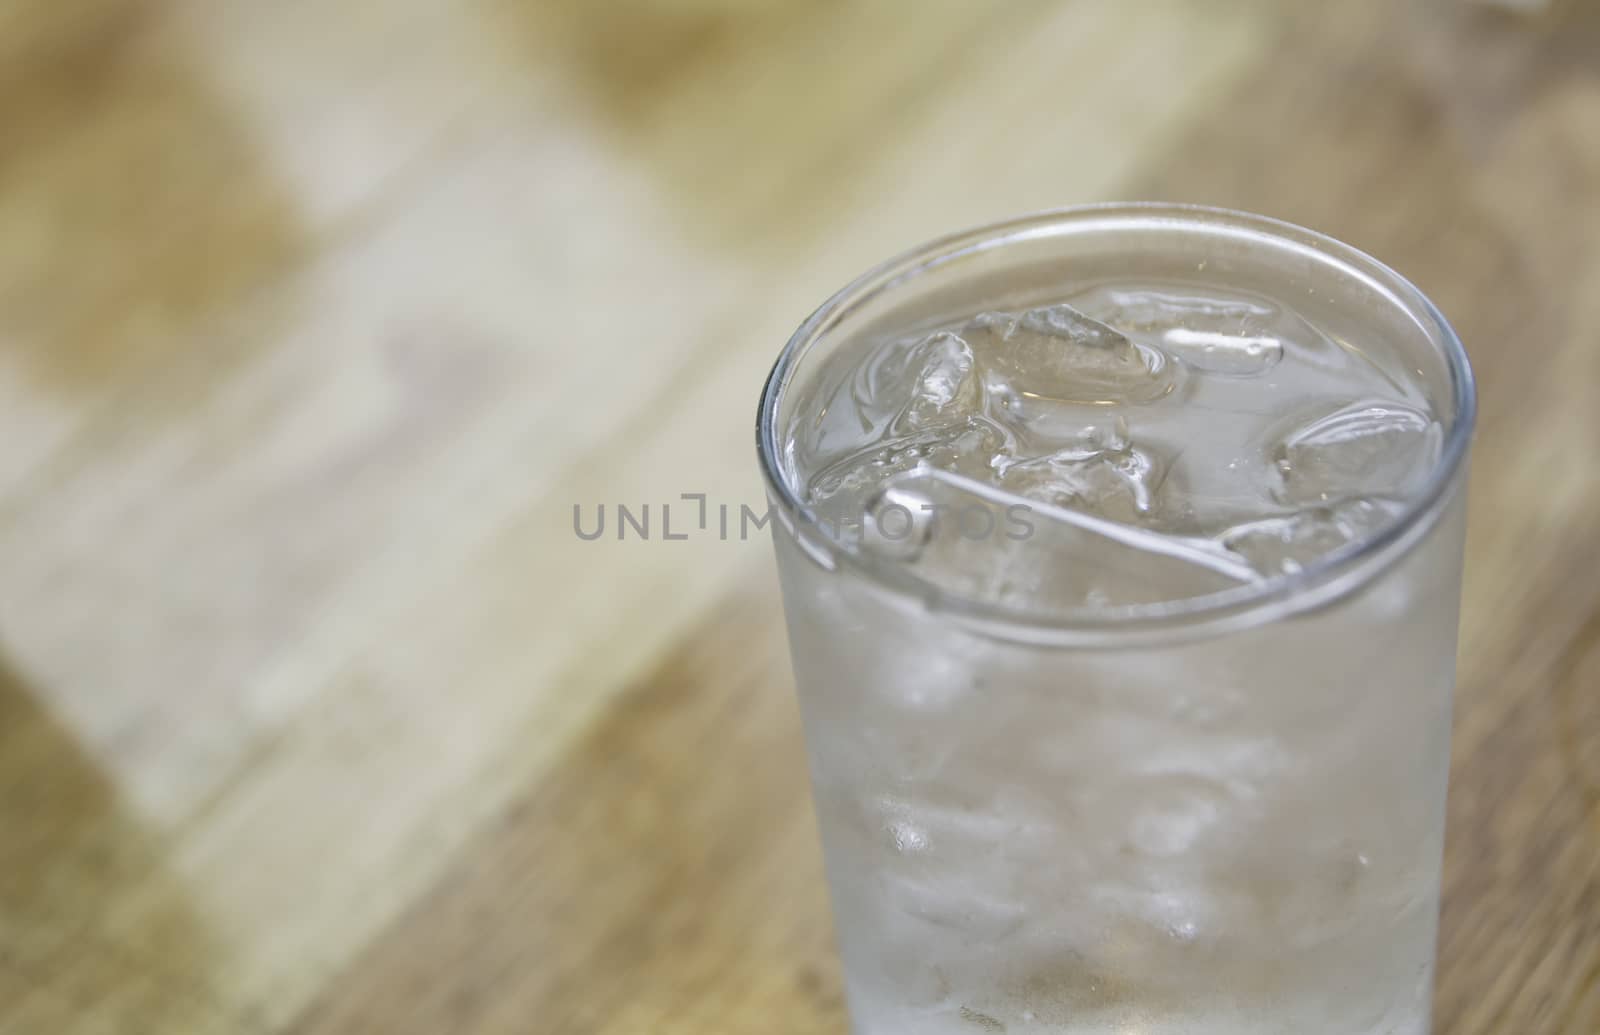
{"x":1363,"y":449}
{"x":1057,"y":353}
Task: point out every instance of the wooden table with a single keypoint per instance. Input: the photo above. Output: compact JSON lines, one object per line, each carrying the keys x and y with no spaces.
{"x":316,"y":320}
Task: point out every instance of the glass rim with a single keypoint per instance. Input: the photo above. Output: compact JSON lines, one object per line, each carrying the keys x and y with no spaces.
{"x":1329,"y":577}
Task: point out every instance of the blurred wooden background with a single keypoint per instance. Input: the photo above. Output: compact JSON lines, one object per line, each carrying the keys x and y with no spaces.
{"x":316,"y":320}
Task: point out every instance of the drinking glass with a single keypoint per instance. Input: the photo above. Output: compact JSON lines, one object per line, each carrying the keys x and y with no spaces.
{"x":1216,"y":814}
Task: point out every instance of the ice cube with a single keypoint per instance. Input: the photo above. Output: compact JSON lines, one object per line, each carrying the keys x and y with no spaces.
{"x":987,"y":543}
{"x":959,"y":821}
{"x":961,"y":907}
{"x":897,"y":523}
{"x":1284,"y":545}
{"x":1362,"y":449}
{"x":1116,"y":486}
{"x":923,"y":381}
{"x":1098,"y":471}
{"x":1174,"y":814}
{"x":1145,"y":311}
{"x":968,"y":445}
{"x":1058,"y":354}
{"x":1233,"y":355}
{"x":946,"y":871}
{"x":1095,"y":439}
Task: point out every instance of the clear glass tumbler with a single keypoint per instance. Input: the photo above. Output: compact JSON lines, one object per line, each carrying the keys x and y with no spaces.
{"x":1223,"y":814}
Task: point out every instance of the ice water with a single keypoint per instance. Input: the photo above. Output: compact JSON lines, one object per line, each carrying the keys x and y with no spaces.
{"x":1220,"y":426}
{"x":1238,"y":834}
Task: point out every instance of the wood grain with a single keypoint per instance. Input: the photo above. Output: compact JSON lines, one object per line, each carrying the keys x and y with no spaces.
{"x":317,"y":320}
